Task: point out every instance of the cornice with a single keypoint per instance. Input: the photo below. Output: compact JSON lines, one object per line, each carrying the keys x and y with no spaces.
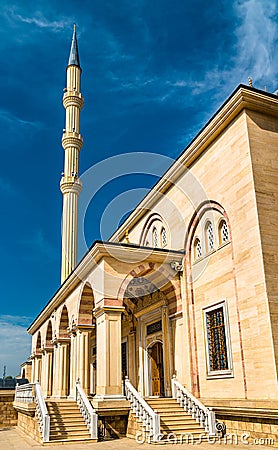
{"x":243,"y":98}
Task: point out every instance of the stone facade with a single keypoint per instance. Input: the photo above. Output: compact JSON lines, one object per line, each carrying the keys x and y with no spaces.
{"x":8,"y":416}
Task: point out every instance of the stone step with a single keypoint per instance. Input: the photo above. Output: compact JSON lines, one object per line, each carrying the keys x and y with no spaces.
{"x":54,"y":441}
{"x":72,"y":433}
{"x":171,"y":421}
{"x":59,"y":419}
{"x":58,"y":430}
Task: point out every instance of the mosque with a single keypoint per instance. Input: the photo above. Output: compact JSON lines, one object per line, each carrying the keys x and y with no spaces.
{"x":170,"y":326}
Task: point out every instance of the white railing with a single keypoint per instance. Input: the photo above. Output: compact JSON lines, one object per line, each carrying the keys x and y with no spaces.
{"x":203,"y":415}
{"x":87,"y":411}
{"x":24,"y":393}
{"x":42,"y":413}
{"x":149,"y":417}
{"x":32,"y":393}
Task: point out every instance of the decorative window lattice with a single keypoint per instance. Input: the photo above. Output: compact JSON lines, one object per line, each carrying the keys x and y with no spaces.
{"x":210,"y":236}
{"x":163,"y":237}
{"x":154,"y":327}
{"x":217,"y":346}
{"x":198,"y":248}
{"x":224,"y":231}
{"x":155,"y":238}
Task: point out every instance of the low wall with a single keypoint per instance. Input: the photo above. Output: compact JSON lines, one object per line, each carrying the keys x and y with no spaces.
{"x":250,"y":430}
{"x":8,"y":415}
{"x":30,"y":425}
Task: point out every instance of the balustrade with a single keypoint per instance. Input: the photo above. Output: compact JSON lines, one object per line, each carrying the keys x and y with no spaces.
{"x":149,"y":418}
{"x":203,"y":415}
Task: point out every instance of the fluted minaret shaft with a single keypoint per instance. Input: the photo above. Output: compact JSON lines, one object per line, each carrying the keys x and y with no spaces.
{"x":72,"y":142}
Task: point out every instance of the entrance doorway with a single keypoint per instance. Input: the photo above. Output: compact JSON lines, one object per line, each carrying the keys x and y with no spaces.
{"x":157,"y":369}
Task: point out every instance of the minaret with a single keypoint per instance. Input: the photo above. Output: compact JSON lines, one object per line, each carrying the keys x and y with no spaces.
{"x":72,"y":142}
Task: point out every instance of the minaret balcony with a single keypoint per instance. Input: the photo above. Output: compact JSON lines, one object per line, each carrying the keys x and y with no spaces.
{"x":70,"y":184}
{"x":73,"y":98}
{"x":72,"y":139}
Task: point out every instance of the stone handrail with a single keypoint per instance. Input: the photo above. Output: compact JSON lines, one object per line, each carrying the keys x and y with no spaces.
{"x":149,"y":417}
{"x":87,"y":411}
{"x":25,"y":393}
{"x":203,"y":415}
{"x":43,"y":416}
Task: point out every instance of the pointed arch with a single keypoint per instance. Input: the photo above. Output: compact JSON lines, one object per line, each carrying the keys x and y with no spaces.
{"x":39,"y":342}
{"x":64,"y":323}
{"x":49,"y":334}
{"x":86,"y":306}
{"x":156,"y":278}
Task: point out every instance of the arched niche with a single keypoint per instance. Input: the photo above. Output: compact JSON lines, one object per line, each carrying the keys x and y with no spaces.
{"x":86,"y":306}
{"x":64,"y":323}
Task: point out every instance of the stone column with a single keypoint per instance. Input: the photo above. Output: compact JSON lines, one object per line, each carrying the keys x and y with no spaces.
{"x":56,"y":371}
{"x":132,"y":358}
{"x":73,"y":362}
{"x":37,"y":367}
{"x":63,"y":388}
{"x":109,"y":374}
{"x":84,"y":334}
{"x":166,"y":350}
{"x":48,"y":371}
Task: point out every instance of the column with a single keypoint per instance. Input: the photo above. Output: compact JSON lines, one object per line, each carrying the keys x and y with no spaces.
{"x":73,"y":362}
{"x":167,"y":357}
{"x":48,"y":371}
{"x":37,"y":367}
{"x":132,"y":358}
{"x":63,"y":388}
{"x":56,"y":371}
{"x":109,"y":374}
{"x":84,"y":335}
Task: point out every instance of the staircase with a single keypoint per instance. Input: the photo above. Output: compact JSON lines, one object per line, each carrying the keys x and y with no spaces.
{"x":174,"y":419}
{"x":66,"y":422}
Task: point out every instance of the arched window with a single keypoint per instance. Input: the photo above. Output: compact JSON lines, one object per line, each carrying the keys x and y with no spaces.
{"x":155,"y":237}
{"x":223,"y":232}
{"x":210,"y":236}
{"x":197,"y":249}
{"x":163,"y":237}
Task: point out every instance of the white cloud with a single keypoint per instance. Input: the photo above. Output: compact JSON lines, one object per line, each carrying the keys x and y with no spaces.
{"x":39,"y":20}
{"x":15,"y":343}
{"x":257,"y":38}
{"x":7,"y":116}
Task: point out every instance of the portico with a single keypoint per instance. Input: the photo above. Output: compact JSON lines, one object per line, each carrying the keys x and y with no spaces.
{"x":118,"y":293}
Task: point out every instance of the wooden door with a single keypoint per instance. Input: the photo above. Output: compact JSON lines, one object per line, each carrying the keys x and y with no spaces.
{"x":157,"y":369}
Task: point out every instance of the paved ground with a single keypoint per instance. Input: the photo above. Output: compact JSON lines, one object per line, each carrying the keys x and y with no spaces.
{"x":14,"y":439}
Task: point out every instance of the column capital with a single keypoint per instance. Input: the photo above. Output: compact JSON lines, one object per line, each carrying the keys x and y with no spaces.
{"x":108,"y":309}
{"x":60,"y":340}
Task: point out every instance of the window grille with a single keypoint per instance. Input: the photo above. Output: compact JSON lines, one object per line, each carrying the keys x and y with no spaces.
{"x":210,"y":236}
{"x":217,"y":345}
{"x":163,"y":237}
{"x":155,"y":238}
{"x":198,"y":248}
{"x":224,"y":232}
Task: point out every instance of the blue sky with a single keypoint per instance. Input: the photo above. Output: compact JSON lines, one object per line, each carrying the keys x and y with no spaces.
{"x":154,"y":71}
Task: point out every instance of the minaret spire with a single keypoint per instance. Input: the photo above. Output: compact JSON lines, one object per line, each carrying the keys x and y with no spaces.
{"x":72,"y":142}
{"x":74,"y":55}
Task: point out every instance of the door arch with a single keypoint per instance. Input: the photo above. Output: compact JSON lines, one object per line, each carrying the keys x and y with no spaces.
{"x":156,"y":369}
